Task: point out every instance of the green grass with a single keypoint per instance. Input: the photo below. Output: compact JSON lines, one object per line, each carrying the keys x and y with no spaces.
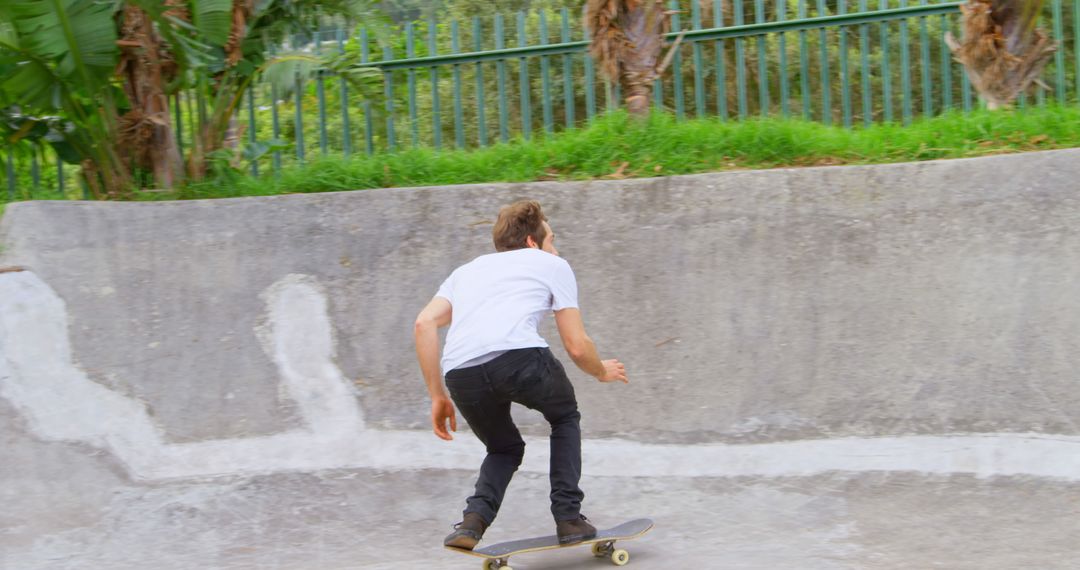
{"x":616,"y":146}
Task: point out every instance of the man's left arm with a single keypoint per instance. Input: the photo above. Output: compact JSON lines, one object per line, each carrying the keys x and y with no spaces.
{"x":436,"y":314}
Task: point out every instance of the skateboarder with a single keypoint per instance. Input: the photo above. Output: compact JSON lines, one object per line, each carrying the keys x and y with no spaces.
{"x":494,"y":355}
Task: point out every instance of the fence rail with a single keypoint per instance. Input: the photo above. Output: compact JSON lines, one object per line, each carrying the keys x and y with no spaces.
{"x":848,"y":62}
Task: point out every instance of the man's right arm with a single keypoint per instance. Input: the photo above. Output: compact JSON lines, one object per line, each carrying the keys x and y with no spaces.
{"x":582,"y":350}
{"x":438,"y":313}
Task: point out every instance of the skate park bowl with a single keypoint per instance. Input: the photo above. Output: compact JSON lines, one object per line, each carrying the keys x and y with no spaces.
{"x":830,"y":368}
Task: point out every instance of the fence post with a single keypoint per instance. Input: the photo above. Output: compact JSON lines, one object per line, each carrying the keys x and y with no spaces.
{"x":1059,"y":54}
{"x":826,"y":87}
{"x":699,"y":79}
{"x":864,"y":63}
{"x":804,"y":65}
{"x":568,"y":70}
{"x":298,"y":87}
{"x":179,"y":123}
{"x":252,"y":134}
{"x":886,"y":74}
{"x":523,"y":80}
{"x":785,"y":89}
{"x":763,"y":67}
{"x":1076,"y":45}
{"x":924,"y":45}
{"x":481,"y":119}
{"x":946,"y":68}
{"x":676,"y":64}
{"x":410,"y":78}
{"x":320,"y":92}
{"x":369,"y":123}
{"x":433,"y":49}
{"x":845,"y":80}
{"x":905,"y":68}
{"x":459,"y":119}
{"x":590,"y":82}
{"x":740,"y":62}
{"x":276,"y":125}
{"x":346,"y":131}
{"x":500,"y":43}
{"x":545,"y":78}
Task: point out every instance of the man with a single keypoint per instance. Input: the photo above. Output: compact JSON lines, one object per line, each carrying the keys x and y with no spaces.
{"x":494,"y":355}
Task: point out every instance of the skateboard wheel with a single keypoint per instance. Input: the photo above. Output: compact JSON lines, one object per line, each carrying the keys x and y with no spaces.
{"x":601,"y":549}
{"x":620,"y":557}
{"x":491,"y":564}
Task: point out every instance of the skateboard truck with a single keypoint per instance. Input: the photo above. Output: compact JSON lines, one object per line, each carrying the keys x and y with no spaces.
{"x":607,"y":549}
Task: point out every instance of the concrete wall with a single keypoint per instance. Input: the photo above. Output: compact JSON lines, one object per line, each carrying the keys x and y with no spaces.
{"x":913,"y":317}
{"x":766,"y":306}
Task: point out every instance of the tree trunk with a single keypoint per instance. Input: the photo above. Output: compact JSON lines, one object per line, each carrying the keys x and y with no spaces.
{"x":627,"y":38}
{"x":1002,"y":51}
{"x":147,"y":139}
{"x":644,"y":28}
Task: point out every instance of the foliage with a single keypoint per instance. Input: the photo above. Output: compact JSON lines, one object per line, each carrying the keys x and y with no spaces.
{"x":58,"y":58}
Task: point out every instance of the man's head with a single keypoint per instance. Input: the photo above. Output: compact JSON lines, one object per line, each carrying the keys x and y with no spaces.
{"x":523,"y":224}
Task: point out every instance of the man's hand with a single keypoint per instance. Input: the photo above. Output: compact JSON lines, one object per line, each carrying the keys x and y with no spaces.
{"x":614,"y":371}
{"x":442,"y":412}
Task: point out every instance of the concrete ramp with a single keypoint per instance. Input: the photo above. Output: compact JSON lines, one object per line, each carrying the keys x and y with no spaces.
{"x":849,"y":367}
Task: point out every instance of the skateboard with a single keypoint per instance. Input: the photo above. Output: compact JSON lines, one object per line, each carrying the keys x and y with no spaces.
{"x":497,"y":556}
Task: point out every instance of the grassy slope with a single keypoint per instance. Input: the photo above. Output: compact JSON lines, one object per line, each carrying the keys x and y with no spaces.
{"x":616,"y":147}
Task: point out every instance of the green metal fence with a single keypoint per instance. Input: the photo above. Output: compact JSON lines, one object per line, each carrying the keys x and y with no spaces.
{"x":470,"y":84}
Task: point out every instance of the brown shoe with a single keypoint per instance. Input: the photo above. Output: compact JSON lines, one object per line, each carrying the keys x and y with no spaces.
{"x":574,"y":530}
{"x":467,"y":533}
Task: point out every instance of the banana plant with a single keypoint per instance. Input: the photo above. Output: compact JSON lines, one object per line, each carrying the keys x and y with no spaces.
{"x":231,"y":58}
{"x":56,"y":57}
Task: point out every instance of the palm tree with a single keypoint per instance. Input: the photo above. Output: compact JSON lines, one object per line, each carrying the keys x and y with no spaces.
{"x":627,"y":38}
{"x":1002,"y":50}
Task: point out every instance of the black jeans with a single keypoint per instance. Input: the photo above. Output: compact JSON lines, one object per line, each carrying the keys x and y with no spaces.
{"x":534,"y":378}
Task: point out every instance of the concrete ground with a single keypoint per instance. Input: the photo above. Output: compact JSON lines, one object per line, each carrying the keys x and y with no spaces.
{"x":853,"y":367}
{"x":372,"y":519}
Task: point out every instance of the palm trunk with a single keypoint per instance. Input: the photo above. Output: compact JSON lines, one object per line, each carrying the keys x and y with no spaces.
{"x":627,"y":38}
{"x":1002,"y":51}
{"x":643,"y":27}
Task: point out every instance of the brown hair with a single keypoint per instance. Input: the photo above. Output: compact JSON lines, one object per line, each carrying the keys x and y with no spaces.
{"x":516,"y":222}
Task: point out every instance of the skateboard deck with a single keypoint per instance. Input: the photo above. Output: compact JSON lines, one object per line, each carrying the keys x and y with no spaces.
{"x":497,"y":556}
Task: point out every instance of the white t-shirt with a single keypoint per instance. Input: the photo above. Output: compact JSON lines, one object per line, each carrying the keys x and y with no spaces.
{"x":499,"y":299}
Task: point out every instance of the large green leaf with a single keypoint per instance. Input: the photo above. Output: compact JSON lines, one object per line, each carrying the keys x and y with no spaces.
{"x":32,"y":83}
{"x":213,"y":19}
{"x":284,"y":69}
{"x":77,"y":36}
{"x":8,"y":37}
